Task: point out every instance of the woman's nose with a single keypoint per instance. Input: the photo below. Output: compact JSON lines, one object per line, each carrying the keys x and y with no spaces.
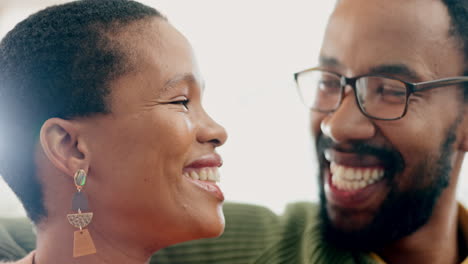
{"x":212,"y":132}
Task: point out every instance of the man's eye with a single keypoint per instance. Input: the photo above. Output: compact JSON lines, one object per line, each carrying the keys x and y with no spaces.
{"x":391,"y":94}
{"x":329,"y":84}
{"x":329,"y":87}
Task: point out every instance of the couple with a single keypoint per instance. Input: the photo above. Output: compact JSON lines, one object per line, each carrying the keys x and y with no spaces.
{"x":114,"y":157}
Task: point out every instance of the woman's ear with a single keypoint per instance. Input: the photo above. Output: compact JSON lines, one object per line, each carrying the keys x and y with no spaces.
{"x":62,"y":144}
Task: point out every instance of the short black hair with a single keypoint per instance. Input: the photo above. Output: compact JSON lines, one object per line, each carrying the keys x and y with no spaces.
{"x":57,"y":63}
{"x":458,"y":12}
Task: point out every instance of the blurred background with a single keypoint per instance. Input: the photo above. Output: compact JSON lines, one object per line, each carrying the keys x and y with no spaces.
{"x":247,"y":51}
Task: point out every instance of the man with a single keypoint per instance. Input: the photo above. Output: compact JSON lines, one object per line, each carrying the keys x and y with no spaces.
{"x":389,"y":151}
{"x":390,"y":147}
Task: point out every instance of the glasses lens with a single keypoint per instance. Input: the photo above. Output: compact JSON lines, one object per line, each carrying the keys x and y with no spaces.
{"x":319,"y":90}
{"x":382,"y":98}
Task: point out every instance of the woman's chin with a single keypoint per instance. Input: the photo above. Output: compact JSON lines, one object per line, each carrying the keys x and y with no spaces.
{"x":214,"y":227}
{"x":217,"y":230}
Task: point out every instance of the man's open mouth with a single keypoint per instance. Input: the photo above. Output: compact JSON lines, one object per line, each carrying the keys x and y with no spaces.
{"x":355,"y":180}
{"x":349,"y":178}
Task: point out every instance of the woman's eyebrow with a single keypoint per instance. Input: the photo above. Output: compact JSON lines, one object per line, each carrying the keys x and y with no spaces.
{"x":185,"y":77}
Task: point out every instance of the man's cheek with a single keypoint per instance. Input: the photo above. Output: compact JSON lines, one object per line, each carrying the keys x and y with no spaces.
{"x":315,"y":122}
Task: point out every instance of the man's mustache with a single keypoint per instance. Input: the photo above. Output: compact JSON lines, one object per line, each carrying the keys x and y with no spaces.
{"x":391,"y":158}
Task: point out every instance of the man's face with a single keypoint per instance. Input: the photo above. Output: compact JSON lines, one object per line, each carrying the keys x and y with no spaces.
{"x":396,"y":170}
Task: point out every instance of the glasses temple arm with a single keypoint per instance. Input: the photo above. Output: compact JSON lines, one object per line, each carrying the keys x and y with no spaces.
{"x":422,"y":86}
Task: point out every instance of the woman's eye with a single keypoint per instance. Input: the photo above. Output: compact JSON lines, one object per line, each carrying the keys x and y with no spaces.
{"x":184,"y":102}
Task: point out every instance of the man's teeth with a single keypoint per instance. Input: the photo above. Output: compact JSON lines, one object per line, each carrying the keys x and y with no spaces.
{"x":349,"y":179}
{"x":204,"y":174}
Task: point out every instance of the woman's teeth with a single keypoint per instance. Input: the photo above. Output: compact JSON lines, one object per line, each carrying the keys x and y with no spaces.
{"x":350,"y":179}
{"x":204,"y":174}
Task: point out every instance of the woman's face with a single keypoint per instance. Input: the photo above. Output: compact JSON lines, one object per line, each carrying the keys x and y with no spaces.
{"x":145,"y":155}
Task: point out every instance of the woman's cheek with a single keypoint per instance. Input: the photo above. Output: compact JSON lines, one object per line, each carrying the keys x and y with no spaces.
{"x":181,"y":133}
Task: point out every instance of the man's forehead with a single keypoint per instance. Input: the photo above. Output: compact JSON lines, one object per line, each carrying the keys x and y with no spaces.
{"x":411,"y":10}
{"x":395,"y":69}
{"x":363,"y":34}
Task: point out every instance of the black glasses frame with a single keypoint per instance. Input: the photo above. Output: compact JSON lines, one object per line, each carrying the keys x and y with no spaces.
{"x":410,"y":88}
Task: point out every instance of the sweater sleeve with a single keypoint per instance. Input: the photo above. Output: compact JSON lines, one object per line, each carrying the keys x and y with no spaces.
{"x":249,"y":230}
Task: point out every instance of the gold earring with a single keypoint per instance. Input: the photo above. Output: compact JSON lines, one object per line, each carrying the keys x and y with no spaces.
{"x":82,"y":242}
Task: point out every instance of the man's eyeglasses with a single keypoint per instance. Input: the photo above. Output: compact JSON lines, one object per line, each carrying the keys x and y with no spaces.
{"x":378,"y":97}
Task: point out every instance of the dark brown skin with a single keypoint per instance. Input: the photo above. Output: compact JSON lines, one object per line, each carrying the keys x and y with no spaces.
{"x":363,"y":34}
{"x":134,"y":158}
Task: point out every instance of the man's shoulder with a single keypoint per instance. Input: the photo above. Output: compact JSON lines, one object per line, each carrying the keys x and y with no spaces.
{"x":250,"y":231}
{"x":295,"y":237}
{"x":254,"y":234}
{"x":263,"y":221}
{"x":16,"y":238}
{"x":26,"y":260}
{"x":292,"y":210}
{"x":303,"y":210}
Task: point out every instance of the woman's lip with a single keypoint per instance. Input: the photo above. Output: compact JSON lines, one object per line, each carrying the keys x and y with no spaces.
{"x":211,"y":160}
{"x":209,"y":187}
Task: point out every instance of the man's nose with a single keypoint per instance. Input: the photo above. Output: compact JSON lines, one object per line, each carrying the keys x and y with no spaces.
{"x":348,"y":123}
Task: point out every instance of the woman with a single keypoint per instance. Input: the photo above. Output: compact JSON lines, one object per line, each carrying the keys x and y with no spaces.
{"x":104,"y":139}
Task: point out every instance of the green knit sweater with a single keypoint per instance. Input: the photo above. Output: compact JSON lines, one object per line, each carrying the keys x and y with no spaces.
{"x":256,"y":235}
{"x":253,"y":235}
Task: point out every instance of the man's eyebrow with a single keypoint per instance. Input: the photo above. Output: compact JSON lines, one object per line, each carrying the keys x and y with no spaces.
{"x":385,"y":69}
{"x":396,"y":69}
{"x":185,"y":77}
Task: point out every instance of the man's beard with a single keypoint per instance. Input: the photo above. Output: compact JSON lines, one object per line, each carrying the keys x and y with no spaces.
{"x":402,"y":212}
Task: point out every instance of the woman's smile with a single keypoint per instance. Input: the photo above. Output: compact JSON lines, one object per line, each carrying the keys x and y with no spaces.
{"x":204,"y":173}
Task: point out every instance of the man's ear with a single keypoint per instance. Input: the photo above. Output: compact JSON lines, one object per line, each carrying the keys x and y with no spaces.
{"x":464,"y":132}
{"x":464,"y":143}
{"x":63,"y":146}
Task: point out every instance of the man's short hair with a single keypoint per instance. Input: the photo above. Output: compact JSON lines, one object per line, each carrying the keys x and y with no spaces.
{"x":57,"y":63}
{"x":458,"y":12}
